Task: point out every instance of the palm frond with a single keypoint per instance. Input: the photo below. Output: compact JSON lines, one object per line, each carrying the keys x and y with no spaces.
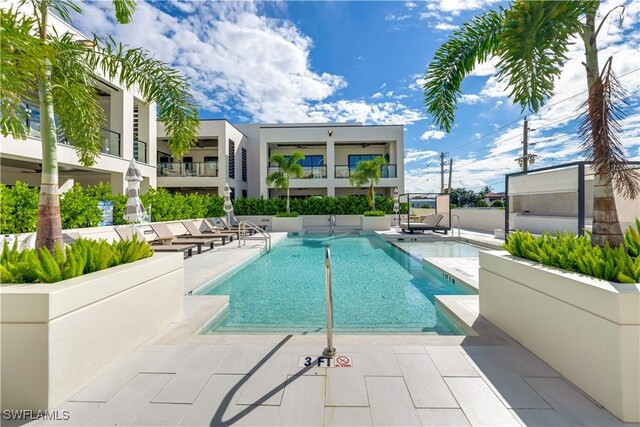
{"x":367,"y":172}
{"x":21,"y":63}
{"x":278,"y":179}
{"x":75,"y":99}
{"x":124,"y":10}
{"x":600,"y":133}
{"x":65,"y":8}
{"x":157,"y":82}
{"x":474,"y":43}
{"x":533,"y":47}
{"x":279,"y":160}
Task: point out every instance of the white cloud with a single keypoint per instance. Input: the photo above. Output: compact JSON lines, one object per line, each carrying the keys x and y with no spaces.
{"x":469,"y":99}
{"x":417,"y":82}
{"x":410,"y":5}
{"x":377,"y":95}
{"x":413,"y":155}
{"x":383,"y":85}
{"x":432,"y":134}
{"x":455,"y":7}
{"x":235,"y":57}
{"x":392,"y":17}
{"x":443,"y":26}
{"x":389,"y":93}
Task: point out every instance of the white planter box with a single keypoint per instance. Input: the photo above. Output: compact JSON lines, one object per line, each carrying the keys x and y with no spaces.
{"x":58,"y":337}
{"x":291,"y":224}
{"x":375,"y":223}
{"x":587,"y":329}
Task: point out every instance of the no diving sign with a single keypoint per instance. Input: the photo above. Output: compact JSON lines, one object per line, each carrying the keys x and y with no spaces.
{"x":325,"y":362}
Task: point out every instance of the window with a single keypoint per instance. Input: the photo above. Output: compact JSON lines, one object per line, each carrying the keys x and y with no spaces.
{"x":244,"y":166}
{"x":232,"y":160}
{"x":244,"y":193}
{"x":232,"y":194}
{"x":309,"y":161}
{"x":355,"y":158}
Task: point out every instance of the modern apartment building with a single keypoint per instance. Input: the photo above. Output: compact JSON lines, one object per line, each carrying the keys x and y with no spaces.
{"x":129,"y":131}
{"x":240,"y":156}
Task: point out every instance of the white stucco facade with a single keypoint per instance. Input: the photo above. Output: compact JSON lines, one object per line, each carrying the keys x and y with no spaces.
{"x":129,"y":131}
{"x":331,"y":150}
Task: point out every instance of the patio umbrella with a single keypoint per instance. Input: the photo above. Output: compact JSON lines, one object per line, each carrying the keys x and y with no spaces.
{"x":228,"y":206}
{"x":396,"y":203}
{"x":133,"y":211}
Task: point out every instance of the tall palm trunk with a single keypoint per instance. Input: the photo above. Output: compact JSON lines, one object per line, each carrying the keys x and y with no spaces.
{"x":606,"y":226}
{"x":288,"y":194}
{"x":49,"y":228}
{"x":372,"y":197}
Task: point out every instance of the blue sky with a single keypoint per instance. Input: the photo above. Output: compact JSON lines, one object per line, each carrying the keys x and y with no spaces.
{"x":364,"y":61}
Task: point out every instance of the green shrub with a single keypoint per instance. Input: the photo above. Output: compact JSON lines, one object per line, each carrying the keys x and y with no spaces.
{"x":79,"y":209}
{"x":81,"y":257}
{"x":18,"y":208}
{"x":577,"y":254}
{"x":497,"y":204}
{"x":287,"y":215}
{"x":374,"y":213}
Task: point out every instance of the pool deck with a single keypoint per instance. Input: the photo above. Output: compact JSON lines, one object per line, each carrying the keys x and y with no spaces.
{"x":182,"y":378}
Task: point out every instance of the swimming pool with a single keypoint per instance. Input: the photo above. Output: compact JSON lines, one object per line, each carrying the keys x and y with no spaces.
{"x":376,"y":288}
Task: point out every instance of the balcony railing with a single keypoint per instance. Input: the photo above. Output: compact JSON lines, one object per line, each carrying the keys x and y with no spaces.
{"x":190,"y":169}
{"x":140,"y":151}
{"x":310,"y":172}
{"x":387,"y":171}
{"x":111,"y":141}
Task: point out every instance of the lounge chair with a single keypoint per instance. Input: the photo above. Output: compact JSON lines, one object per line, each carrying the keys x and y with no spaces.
{"x":429,"y":223}
{"x":125,"y":233}
{"x":164,"y":233}
{"x":211,"y":223}
{"x":193,"y":230}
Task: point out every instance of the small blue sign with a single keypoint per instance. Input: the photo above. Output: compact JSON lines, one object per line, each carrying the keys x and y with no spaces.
{"x":107,"y":213}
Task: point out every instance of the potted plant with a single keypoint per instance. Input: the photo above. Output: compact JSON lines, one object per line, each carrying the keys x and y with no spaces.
{"x":369,"y":172}
{"x":564,"y":300}
{"x":287,"y":168}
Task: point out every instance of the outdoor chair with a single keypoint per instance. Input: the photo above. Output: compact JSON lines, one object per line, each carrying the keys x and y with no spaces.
{"x":193,"y":230}
{"x":164,"y":233}
{"x":126,"y":233}
{"x":429,"y":223}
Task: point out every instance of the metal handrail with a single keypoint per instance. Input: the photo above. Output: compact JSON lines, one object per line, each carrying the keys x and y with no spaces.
{"x":457,"y":216}
{"x":242,"y":234}
{"x":330,"y":351}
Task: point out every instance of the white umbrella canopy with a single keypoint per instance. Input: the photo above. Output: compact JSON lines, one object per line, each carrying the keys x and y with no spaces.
{"x":228,"y":206}
{"x":134,"y":210}
{"x":396,"y":201}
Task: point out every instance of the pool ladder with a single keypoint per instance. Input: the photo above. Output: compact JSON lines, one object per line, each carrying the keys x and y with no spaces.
{"x":457,"y":216}
{"x":260,"y":234}
{"x":330,"y":351}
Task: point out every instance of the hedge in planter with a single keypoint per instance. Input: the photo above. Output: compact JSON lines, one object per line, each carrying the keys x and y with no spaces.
{"x":83,"y":256}
{"x":577,"y":254}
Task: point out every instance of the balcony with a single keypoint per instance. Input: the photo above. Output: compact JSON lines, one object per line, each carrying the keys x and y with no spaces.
{"x":111,"y":141}
{"x":387,"y":171}
{"x":309,"y":172}
{"x":191,"y":169}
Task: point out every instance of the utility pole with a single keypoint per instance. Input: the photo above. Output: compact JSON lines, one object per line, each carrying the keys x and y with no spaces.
{"x":442,"y":172}
{"x":525,"y":145}
{"x":526,"y":158}
{"x":450,"y":172}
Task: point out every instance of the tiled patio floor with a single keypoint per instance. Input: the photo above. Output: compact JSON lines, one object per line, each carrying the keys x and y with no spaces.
{"x":181,"y":378}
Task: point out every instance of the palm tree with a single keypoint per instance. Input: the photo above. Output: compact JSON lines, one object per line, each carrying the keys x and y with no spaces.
{"x":288,"y":167}
{"x":530,"y":38}
{"x":57,"y":71}
{"x":368,"y":172}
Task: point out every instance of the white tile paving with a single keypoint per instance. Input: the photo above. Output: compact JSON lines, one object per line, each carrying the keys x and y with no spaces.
{"x":443,"y":417}
{"x":390,"y":402}
{"x":451,"y":362}
{"x":426,"y":386}
{"x":479,"y":404}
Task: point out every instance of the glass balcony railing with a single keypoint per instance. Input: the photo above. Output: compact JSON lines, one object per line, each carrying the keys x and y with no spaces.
{"x":140,"y":151}
{"x":309,"y":172}
{"x":189,"y":169}
{"x":111,"y":142}
{"x":387,"y":171}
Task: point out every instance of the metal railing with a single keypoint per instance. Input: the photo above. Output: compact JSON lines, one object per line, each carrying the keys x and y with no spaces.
{"x":309,"y":172}
{"x":386,"y":171}
{"x":188,"y":169}
{"x":110,"y":142}
{"x":260,"y":234}
{"x":330,"y":351}
{"x":140,"y":151}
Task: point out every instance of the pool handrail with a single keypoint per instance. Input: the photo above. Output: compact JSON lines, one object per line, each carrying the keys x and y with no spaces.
{"x":244,"y":225}
{"x":330,"y":351}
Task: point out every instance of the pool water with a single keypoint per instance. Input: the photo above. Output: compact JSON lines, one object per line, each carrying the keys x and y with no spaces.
{"x":376,"y":288}
{"x":438,"y":249}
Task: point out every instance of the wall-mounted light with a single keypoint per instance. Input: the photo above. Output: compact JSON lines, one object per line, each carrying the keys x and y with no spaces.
{"x":330,"y":132}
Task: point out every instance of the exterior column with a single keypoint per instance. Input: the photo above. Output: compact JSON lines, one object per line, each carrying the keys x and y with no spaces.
{"x":331,"y":167}
{"x":118,"y":183}
{"x":223,"y":161}
{"x":122,"y":121}
{"x":264,"y":163}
